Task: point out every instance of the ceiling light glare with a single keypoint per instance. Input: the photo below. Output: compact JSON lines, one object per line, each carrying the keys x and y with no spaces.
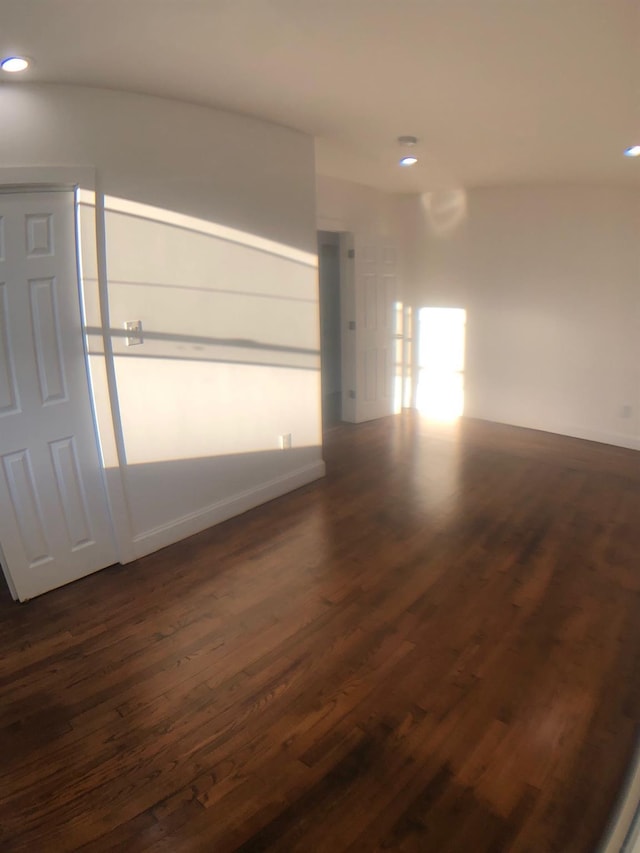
{"x":408,"y":161}
{"x":633,"y":151}
{"x":14,"y":64}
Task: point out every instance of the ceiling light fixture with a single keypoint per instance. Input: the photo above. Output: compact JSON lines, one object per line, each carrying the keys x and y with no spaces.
{"x":633,"y":151}
{"x":408,"y":142}
{"x":14,"y":64}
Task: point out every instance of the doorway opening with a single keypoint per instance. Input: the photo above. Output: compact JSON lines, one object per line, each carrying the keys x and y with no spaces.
{"x":330,"y":327}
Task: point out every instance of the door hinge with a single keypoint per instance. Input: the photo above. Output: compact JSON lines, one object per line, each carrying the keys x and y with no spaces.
{"x":352,"y":395}
{"x":352,"y":325}
{"x":351,"y":253}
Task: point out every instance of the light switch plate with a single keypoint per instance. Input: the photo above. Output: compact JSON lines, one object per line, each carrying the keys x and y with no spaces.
{"x":136,"y":338}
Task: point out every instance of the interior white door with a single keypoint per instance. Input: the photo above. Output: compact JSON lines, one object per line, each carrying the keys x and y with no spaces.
{"x":376,"y":291}
{"x":54,"y":519}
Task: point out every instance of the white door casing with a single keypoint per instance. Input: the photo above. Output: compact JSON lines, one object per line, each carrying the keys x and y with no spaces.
{"x":54,"y":518}
{"x":369,"y":329}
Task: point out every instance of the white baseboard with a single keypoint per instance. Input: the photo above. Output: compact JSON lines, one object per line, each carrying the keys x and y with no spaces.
{"x":622,"y":835}
{"x":614,"y":438}
{"x":194,"y":522}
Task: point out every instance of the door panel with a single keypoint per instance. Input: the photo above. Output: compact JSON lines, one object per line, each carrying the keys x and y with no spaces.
{"x":375,"y":283}
{"x":71,"y":489}
{"x":46,"y":337}
{"x":54,"y":520}
{"x":8,"y":389}
{"x":18,"y":471}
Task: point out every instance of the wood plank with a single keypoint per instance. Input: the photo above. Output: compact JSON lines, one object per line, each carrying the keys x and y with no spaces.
{"x":437,"y":647}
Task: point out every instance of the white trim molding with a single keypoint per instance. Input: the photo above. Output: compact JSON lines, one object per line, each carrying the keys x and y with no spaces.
{"x":48,"y":176}
{"x":178,"y":529}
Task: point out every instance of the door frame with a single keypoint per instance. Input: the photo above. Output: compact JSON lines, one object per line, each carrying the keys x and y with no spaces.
{"x":350,"y":390}
{"x":339,"y":246}
{"x":94,"y":311}
{"x":348,"y":373}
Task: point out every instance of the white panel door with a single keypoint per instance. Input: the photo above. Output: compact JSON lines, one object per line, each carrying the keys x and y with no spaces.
{"x":376,"y":287}
{"x":54,"y":519}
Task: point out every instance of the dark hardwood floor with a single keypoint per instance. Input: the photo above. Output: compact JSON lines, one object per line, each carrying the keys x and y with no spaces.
{"x":436,"y":648}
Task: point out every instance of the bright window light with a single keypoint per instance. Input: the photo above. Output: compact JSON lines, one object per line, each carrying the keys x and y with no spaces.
{"x":633,"y":151}
{"x":441,"y":340}
{"x":408,"y":161}
{"x":14,"y":64}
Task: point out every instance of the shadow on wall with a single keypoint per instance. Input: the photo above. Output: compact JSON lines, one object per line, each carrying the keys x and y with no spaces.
{"x":210,"y":487}
{"x":229,"y":362}
{"x":238,"y":384}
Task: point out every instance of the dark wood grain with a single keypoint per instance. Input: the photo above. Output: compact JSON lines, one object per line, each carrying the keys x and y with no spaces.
{"x":436,"y":648}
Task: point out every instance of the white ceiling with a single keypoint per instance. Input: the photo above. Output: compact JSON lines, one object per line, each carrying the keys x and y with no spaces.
{"x":498,"y":91}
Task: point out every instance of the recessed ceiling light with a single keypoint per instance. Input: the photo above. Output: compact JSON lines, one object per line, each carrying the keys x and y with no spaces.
{"x":408,"y":161}
{"x":633,"y":151}
{"x":13,"y":64}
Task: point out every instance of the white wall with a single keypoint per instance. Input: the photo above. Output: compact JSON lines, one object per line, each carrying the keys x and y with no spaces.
{"x":549,"y":277}
{"x":204,"y":224}
{"x":226,"y":168}
{"x":346,"y":206}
